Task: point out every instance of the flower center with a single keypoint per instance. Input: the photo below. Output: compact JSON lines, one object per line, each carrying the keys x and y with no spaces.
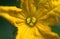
{"x":31,"y":21}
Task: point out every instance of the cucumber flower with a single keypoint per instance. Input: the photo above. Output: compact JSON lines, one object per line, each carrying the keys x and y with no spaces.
{"x":33,"y":19}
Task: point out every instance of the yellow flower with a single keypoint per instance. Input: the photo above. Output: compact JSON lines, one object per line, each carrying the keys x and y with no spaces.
{"x":33,"y":20}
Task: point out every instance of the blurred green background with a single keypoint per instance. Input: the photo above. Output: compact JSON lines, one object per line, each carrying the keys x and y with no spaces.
{"x":10,"y":3}
{"x":8,"y":31}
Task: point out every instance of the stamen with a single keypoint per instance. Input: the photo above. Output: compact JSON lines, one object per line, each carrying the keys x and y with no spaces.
{"x":31,"y":21}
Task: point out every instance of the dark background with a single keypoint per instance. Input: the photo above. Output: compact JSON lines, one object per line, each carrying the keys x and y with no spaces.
{"x":8,"y":31}
{"x":10,"y":3}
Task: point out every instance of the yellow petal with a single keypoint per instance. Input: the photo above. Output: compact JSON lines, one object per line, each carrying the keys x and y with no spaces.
{"x":46,"y":32}
{"x":12,"y":14}
{"x":28,"y":6}
{"x":49,"y":19}
{"x":9,"y":8}
{"x":11,"y":19}
{"x":55,"y":3}
{"x":24,"y":32}
{"x":57,"y":11}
